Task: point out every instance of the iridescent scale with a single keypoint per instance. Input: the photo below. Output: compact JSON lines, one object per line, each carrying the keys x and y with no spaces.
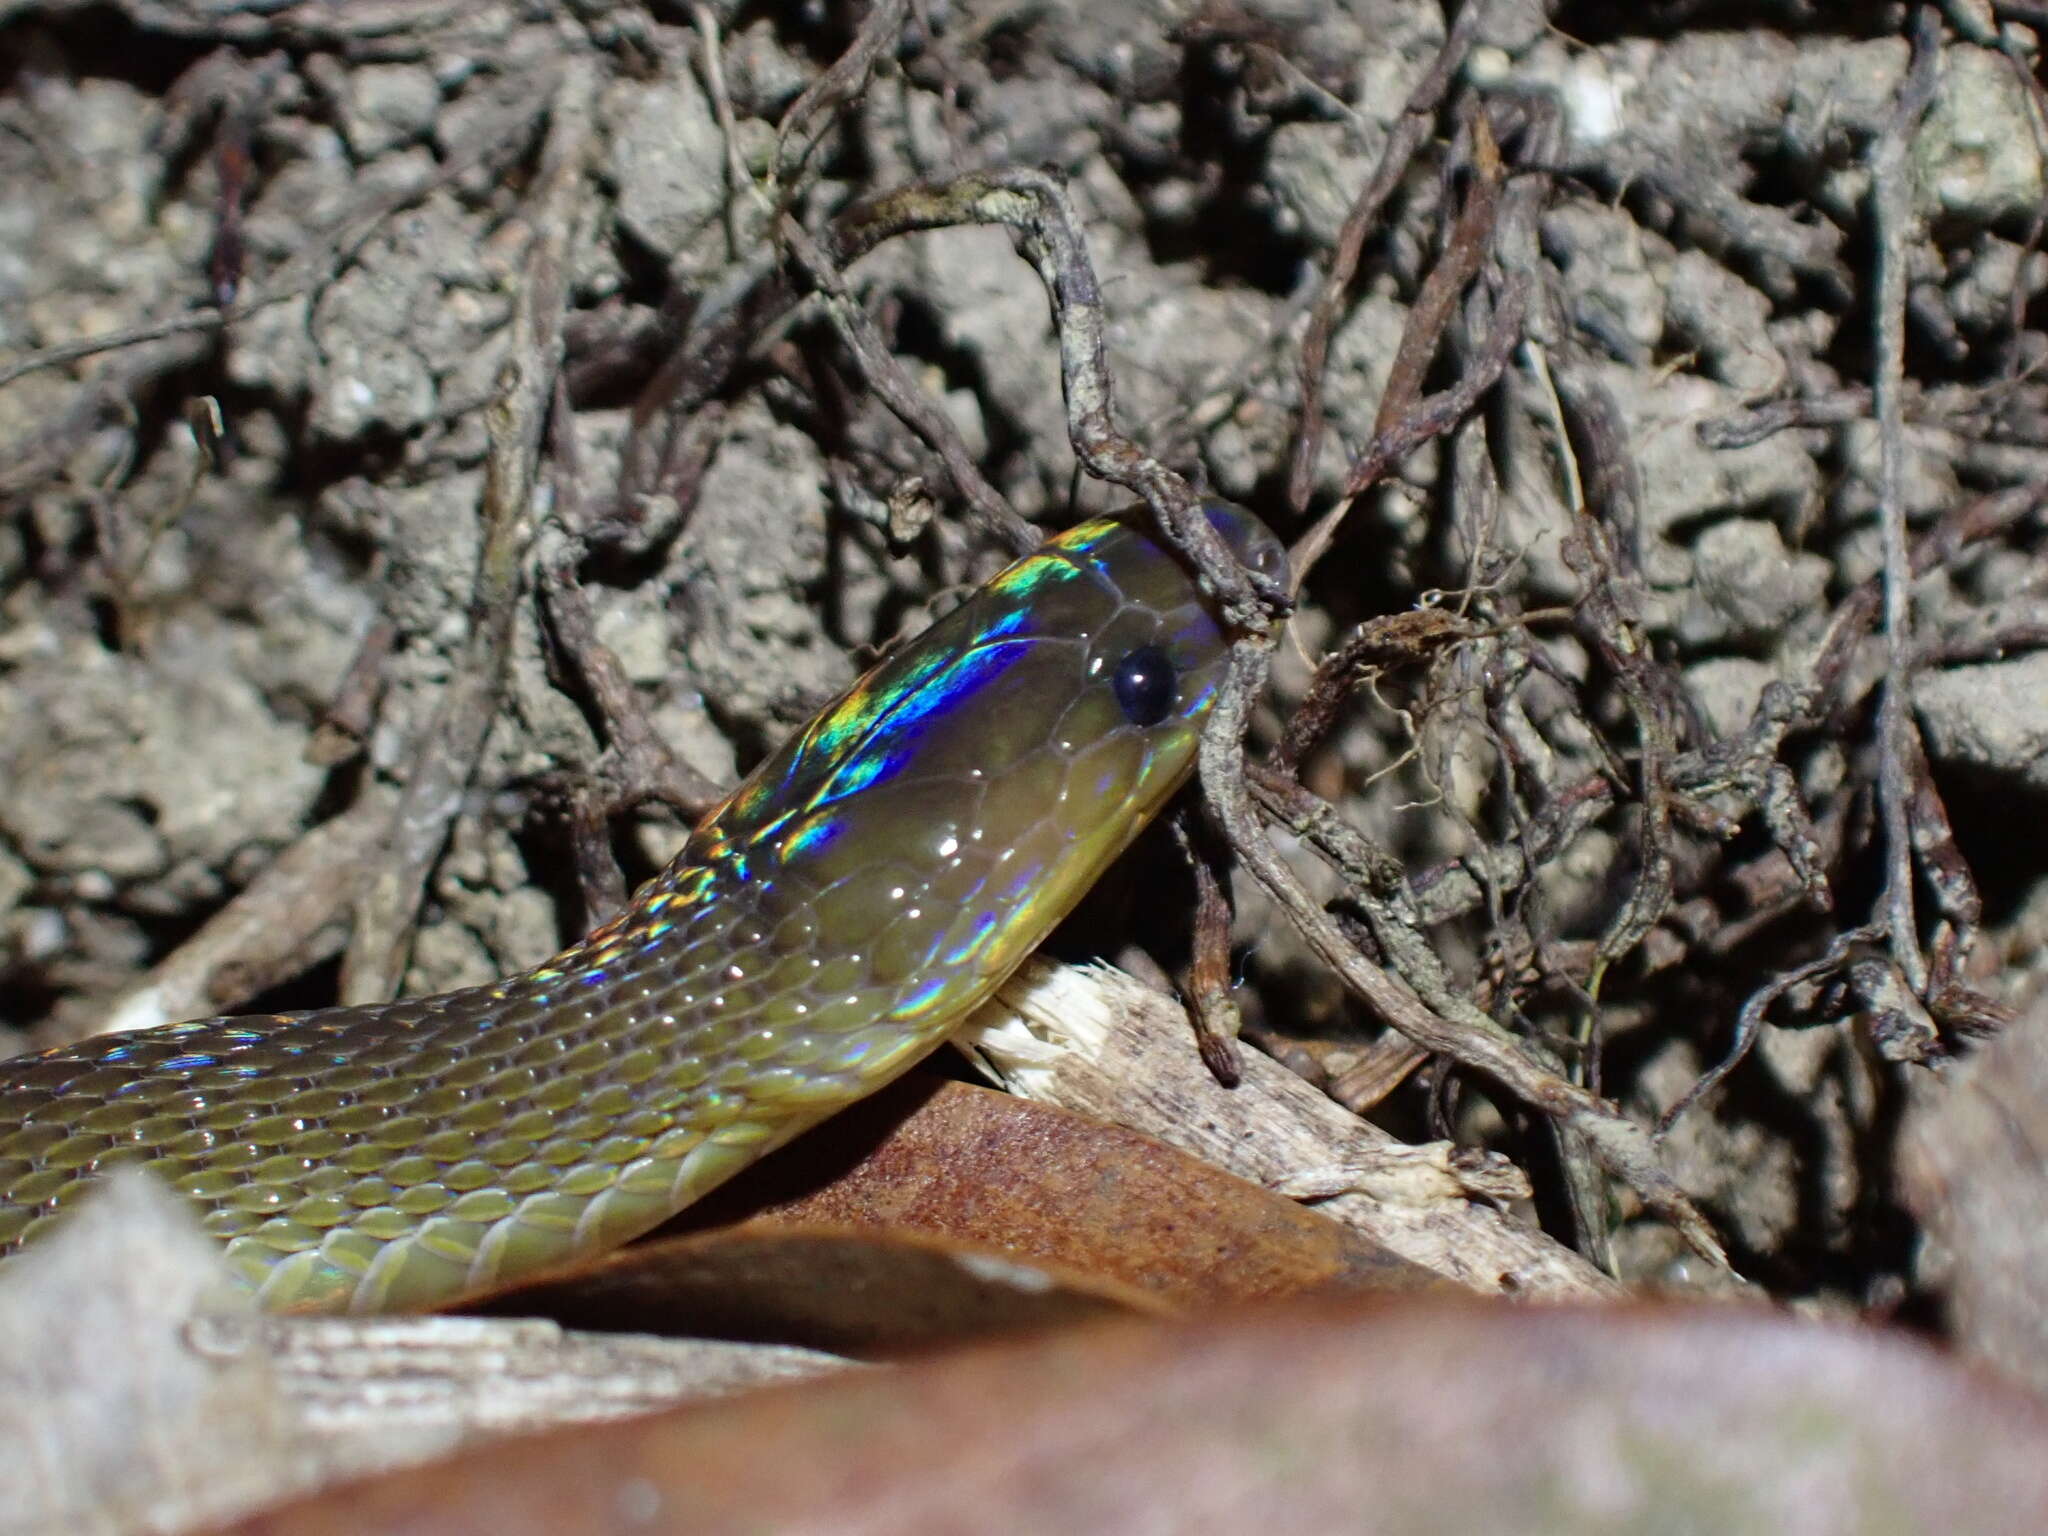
{"x":867,"y":886}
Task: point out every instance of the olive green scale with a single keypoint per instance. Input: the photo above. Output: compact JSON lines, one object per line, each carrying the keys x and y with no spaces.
{"x":866,"y":887}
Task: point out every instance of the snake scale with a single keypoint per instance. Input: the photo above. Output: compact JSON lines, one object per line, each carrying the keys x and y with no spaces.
{"x":869,"y":884}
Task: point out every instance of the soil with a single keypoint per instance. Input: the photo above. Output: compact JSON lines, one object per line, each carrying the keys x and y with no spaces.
{"x":1737,"y":730}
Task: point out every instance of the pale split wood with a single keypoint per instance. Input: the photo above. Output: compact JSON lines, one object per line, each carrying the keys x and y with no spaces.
{"x":1092,"y":1040}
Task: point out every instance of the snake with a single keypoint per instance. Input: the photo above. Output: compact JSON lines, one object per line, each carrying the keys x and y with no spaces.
{"x":860,"y":893}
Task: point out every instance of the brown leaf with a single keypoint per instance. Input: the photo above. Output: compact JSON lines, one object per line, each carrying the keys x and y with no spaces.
{"x":1394,"y":1417}
{"x":1062,"y":1188}
{"x":1106,"y":1208}
{"x":857,"y":1292}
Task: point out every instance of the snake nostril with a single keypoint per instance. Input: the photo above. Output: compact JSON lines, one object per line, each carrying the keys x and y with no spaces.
{"x":1249,"y":539}
{"x":1145,"y":685}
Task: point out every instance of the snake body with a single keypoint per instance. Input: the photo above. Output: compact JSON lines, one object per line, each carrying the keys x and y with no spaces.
{"x":861,"y":892}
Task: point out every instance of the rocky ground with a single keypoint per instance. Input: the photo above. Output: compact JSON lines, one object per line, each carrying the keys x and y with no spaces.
{"x":441,"y":444}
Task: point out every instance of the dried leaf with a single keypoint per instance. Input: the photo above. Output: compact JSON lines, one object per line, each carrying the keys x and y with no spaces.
{"x":1059,"y":1188}
{"x":1973,"y":1165}
{"x":1407,"y":1419}
{"x":856,"y":1292}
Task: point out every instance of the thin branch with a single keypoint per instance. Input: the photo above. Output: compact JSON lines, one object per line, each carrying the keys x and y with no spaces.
{"x":446,"y":756}
{"x":1892,"y":214}
{"x":1409,"y":134}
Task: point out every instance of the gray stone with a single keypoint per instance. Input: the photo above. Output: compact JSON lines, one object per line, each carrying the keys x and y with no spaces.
{"x":668,"y":159}
{"x":1992,"y":716}
{"x":1751,"y":579}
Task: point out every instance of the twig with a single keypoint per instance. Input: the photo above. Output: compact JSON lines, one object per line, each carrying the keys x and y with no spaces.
{"x":666,"y":443}
{"x":1437,"y":1019}
{"x":916,"y":409}
{"x":1741,"y":429}
{"x":638,"y":765}
{"x":1749,"y":1020}
{"x":1207,"y":992}
{"x":289,"y":917}
{"x":1396,"y":639}
{"x":500,"y":134}
{"x":446,"y":756}
{"x":842,"y":82}
{"x":1489,"y":216}
{"x":345,"y":723}
{"x":1744,"y":763}
{"x":1408,"y":135}
{"x":207,"y":318}
{"x":736,"y":178}
{"x":1891,"y":212}
{"x":1036,"y":205}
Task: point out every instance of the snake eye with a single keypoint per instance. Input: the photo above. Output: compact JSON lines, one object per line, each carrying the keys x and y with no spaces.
{"x":1144,"y":684}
